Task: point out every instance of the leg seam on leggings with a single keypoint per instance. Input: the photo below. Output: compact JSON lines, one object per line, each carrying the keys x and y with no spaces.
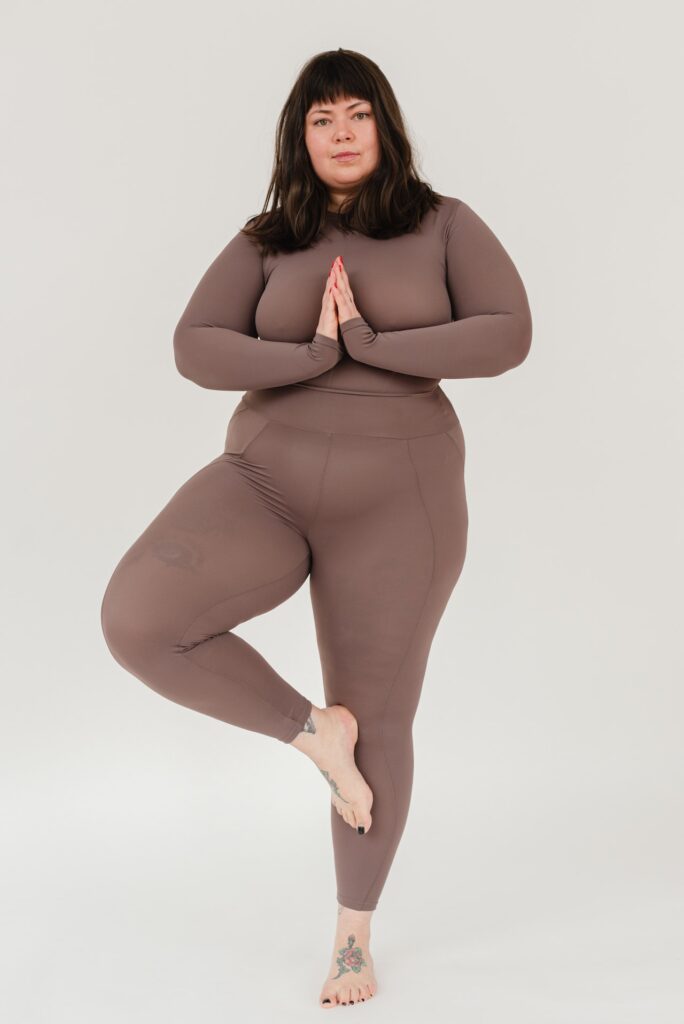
{"x":320,"y":489}
{"x":237,"y":593}
{"x":408,"y":647}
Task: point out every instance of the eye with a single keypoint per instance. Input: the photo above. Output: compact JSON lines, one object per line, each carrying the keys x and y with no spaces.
{"x":359,"y":113}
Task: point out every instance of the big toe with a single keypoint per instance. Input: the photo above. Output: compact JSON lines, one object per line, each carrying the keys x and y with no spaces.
{"x":363,"y":820}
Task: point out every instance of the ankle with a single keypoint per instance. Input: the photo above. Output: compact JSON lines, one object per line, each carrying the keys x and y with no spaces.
{"x":347,"y":917}
{"x":309,"y":737}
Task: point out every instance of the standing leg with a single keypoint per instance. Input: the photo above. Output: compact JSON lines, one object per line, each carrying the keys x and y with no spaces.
{"x":388,"y":546}
{"x":220,"y":552}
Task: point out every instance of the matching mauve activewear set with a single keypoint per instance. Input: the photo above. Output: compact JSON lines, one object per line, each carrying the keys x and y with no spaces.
{"x":344,"y":464}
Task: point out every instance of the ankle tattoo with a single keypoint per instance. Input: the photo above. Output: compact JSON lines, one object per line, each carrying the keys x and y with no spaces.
{"x":309,"y":725}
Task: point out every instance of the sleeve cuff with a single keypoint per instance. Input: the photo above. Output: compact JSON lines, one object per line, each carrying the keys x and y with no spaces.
{"x":323,"y":339}
{"x":354,"y":321}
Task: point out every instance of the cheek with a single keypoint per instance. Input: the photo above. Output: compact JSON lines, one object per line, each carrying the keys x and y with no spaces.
{"x":371,"y":141}
{"x":316,"y":147}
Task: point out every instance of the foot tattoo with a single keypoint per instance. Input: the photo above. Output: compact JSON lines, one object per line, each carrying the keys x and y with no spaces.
{"x":350,"y":958}
{"x":309,"y":725}
{"x":333,"y":786}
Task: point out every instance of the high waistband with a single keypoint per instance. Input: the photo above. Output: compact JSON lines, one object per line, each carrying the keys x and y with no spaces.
{"x":377,"y":415}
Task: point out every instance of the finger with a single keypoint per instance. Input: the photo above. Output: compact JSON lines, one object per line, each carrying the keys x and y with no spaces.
{"x":330,"y":304}
{"x":345,"y":288}
{"x":342,"y":302}
{"x":345,"y":301}
{"x":328,"y":291}
{"x":343,"y":282}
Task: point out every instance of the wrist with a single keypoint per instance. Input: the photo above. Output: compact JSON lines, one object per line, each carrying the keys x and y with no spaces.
{"x":357,"y":335}
{"x":323,"y":344}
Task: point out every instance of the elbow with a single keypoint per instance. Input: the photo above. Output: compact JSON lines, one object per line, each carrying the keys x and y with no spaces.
{"x":185,"y":353}
{"x":520,"y":340}
{"x":181,"y":349}
{"x":197,"y":361}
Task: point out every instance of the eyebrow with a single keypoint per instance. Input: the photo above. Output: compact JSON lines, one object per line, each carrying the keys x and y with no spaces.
{"x":326,"y":110}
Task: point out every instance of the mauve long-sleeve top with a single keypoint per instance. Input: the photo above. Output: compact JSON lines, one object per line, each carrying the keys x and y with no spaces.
{"x":445,"y":301}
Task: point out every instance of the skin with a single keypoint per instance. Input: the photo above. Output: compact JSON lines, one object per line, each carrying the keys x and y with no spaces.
{"x":348,"y":124}
{"x":330,"y":734}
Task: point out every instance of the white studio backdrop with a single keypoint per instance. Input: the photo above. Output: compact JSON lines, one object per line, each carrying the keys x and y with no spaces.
{"x":158,"y":865}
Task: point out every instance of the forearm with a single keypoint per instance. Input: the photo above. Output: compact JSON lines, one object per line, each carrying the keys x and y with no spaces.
{"x":478,"y":346}
{"x":226,"y":360}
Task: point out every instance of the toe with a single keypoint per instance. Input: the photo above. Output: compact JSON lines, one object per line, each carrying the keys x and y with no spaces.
{"x":363,"y":818}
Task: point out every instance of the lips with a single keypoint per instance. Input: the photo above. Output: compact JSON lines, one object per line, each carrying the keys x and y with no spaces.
{"x":344,"y":156}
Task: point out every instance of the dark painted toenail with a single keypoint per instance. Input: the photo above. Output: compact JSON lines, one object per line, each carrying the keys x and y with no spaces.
{"x":351,"y":1001}
{"x":326,"y":1000}
{"x":361,"y":829}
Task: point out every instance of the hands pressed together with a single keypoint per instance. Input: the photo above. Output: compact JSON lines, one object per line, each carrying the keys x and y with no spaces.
{"x":338,"y":301}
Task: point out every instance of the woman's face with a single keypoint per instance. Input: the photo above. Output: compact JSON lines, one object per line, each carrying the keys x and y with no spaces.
{"x":347,"y":126}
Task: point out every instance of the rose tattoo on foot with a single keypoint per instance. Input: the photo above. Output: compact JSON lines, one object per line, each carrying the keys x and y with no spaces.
{"x":350,"y":958}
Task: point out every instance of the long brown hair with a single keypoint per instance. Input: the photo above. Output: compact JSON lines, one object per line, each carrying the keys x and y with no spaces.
{"x":391,"y":201}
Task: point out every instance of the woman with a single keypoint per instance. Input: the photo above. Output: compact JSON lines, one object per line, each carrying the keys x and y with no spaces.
{"x":343,"y":463}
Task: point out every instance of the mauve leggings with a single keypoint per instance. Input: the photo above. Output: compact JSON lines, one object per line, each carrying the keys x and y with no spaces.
{"x":364,"y":495}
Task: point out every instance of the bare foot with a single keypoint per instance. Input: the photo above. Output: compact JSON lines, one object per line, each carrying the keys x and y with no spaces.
{"x":328,"y":738}
{"x":351,"y":978}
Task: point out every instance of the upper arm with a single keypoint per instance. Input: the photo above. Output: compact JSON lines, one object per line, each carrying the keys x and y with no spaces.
{"x":481,"y":276}
{"x":228,"y":293}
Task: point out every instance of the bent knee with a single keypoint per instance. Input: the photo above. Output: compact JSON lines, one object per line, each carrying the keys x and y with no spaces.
{"x":135,"y":634}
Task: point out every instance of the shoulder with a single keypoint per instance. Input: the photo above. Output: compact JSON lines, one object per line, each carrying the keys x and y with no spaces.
{"x":459,"y":217}
{"x":449,"y":204}
{"x":447,"y":214}
{"x":454,"y":210}
{"x":243,"y":246}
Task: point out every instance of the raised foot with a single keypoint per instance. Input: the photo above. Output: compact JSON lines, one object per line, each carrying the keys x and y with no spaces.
{"x":328,"y":738}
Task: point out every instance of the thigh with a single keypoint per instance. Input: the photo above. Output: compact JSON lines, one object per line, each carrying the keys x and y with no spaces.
{"x":388,"y":547}
{"x":214,"y":556}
